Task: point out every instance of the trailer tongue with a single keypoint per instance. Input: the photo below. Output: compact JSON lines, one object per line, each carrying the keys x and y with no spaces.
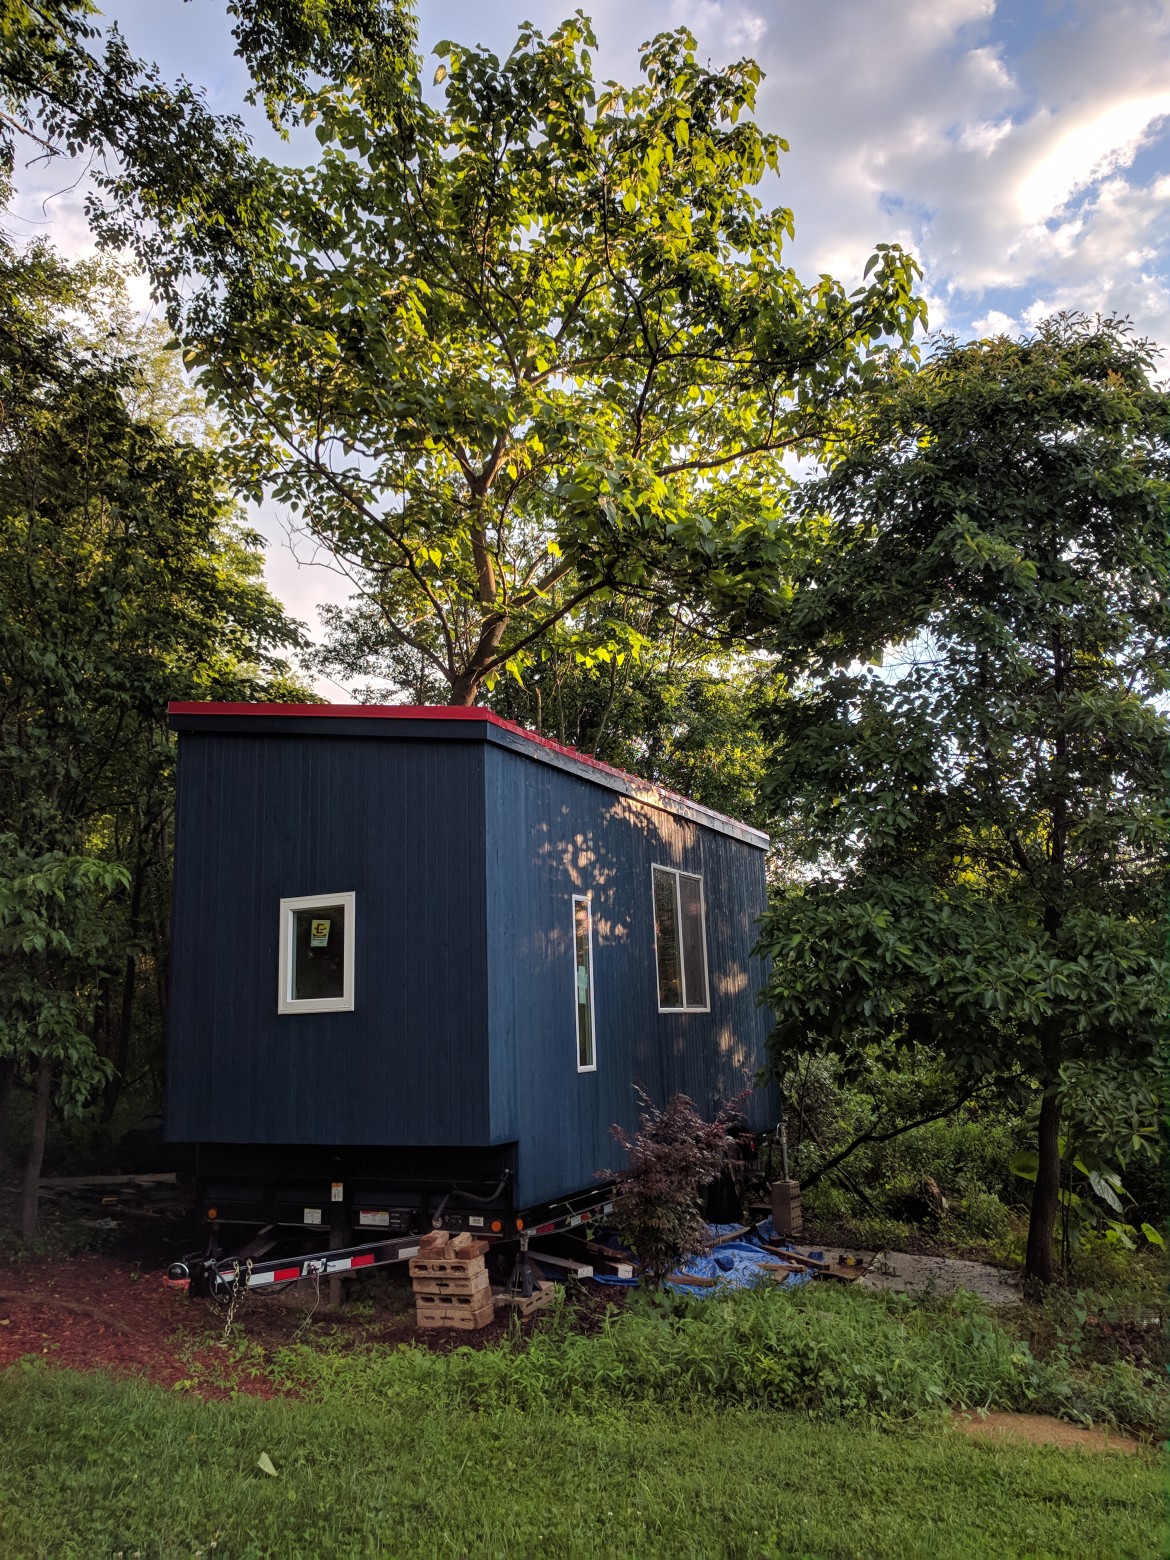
{"x":221,"y":1277}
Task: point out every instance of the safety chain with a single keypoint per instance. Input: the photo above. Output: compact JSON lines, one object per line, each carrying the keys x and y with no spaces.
{"x":238,"y":1292}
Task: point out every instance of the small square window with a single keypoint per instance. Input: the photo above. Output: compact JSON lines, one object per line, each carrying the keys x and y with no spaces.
{"x":316,"y":954}
{"x":680,"y":941}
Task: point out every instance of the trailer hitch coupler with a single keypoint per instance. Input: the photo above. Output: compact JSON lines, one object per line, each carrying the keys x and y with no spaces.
{"x":178,"y":1276}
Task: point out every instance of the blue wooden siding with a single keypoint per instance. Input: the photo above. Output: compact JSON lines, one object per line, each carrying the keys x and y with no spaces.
{"x":265,"y":816}
{"x":550,"y":835}
{"x":464,"y":846}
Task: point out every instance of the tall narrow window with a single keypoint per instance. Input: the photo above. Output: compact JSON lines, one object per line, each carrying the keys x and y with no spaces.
{"x":316,"y":954}
{"x":680,"y":941}
{"x":666,"y":939}
{"x":583,"y":953}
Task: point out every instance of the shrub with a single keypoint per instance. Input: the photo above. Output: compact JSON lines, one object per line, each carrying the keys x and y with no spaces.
{"x":981,"y":1216}
{"x":825,"y":1352}
{"x":673,"y":1158}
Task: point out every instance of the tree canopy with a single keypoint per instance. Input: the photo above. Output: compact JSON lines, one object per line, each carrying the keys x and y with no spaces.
{"x":69,"y":86}
{"x":986,"y":810}
{"x":126,"y":580}
{"x":533,"y":348}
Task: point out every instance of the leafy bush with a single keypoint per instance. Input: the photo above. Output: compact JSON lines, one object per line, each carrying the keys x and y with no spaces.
{"x":824,"y":1352}
{"x":981,"y":1216}
{"x":967,"y":1149}
{"x":966,"y":1154}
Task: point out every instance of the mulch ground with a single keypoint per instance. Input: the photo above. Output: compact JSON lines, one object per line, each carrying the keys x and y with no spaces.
{"x":111,"y":1311}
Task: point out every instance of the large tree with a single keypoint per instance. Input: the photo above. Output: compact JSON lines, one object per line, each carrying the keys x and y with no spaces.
{"x":126,"y":580}
{"x":532,"y":348}
{"x":634,"y":682}
{"x":985,"y":810}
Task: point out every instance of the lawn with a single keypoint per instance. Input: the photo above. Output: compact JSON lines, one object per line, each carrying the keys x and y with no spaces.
{"x":94,"y":1466}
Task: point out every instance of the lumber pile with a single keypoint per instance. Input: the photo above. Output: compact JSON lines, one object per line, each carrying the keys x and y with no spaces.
{"x":847,"y":1268}
{"x":450,"y":1282}
{"x":158,"y":1195}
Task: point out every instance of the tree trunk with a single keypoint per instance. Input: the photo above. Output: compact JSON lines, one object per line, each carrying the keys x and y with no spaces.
{"x":121,"y":1057}
{"x":464,"y":689}
{"x":1040,"y":1261}
{"x":7,"y":1072}
{"x":30,"y":1198}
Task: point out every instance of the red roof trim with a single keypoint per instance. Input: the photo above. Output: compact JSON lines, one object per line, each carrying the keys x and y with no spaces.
{"x":458,"y":712}
{"x":348,"y":711}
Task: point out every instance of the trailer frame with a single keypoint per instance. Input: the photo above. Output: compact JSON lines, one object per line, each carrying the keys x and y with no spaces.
{"x":220,"y":1277}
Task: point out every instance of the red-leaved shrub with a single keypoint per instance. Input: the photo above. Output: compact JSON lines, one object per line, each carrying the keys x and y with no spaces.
{"x":658,"y":1197}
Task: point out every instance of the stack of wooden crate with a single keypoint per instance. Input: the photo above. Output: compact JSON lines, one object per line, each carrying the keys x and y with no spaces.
{"x":450,"y":1282}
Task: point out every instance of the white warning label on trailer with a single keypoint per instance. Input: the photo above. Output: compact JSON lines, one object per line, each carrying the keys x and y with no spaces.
{"x":475,"y":1220}
{"x":312,"y":1215}
{"x":375,"y":1217}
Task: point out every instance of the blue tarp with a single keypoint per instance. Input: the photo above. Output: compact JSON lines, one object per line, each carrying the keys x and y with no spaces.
{"x":737,"y":1264}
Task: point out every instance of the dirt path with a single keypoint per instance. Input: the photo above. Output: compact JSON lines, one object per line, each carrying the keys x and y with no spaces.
{"x":1041,"y":1430}
{"x":916,"y":1274}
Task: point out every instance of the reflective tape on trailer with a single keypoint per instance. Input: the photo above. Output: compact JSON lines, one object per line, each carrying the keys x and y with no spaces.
{"x":320,"y":1266}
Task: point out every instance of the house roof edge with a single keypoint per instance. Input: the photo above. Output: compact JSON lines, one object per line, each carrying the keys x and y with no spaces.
{"x":191,"y":716}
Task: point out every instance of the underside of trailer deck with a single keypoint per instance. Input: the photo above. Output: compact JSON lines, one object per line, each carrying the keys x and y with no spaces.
{"x":356,"y":1208}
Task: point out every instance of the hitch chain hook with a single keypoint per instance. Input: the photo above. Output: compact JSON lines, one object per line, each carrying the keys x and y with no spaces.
{"x":237,"y":1296}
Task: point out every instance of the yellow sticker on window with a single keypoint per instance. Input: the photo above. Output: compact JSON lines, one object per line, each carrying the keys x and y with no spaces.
{"x":319,"y":934}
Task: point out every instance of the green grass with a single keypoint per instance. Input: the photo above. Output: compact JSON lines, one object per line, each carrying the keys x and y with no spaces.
{"x":91,"y":1466}
{"x":825,"y":1352}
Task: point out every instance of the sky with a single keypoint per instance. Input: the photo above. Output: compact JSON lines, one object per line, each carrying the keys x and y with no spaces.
{"x":1019,"y":148}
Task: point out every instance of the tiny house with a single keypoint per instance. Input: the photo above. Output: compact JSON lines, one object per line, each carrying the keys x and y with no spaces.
{"x":420,"y":957}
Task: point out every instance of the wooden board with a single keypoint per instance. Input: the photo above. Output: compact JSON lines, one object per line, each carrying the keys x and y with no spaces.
{"x":445,"y":1316}
{"x":162,"y":1178}
{"x":737,"y":1234}
{"x":782,"y":1270}
{"x":445,"y":1267}
{"x":843,"y":1273}
{"x":455,"y":1284}
{"x":608,"y":1252}
{"x":525,"y":1306}
{"x":588,"y":1254}
{"x":567,"y":1264}
{"x":813,"y":1264}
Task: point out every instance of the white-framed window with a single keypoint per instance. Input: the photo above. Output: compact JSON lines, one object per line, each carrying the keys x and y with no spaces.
{"x":680,"y":941}
{"x":583,"y":983}
{"x":316,"y":954}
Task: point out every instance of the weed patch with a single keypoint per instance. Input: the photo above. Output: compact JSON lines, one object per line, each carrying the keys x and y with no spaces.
{"x":822,"y":1352}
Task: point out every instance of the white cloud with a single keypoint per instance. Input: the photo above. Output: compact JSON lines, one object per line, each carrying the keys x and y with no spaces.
{"x":995,"y":323}
{"x":1087,"y":151}
{"x":736,"y":26}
